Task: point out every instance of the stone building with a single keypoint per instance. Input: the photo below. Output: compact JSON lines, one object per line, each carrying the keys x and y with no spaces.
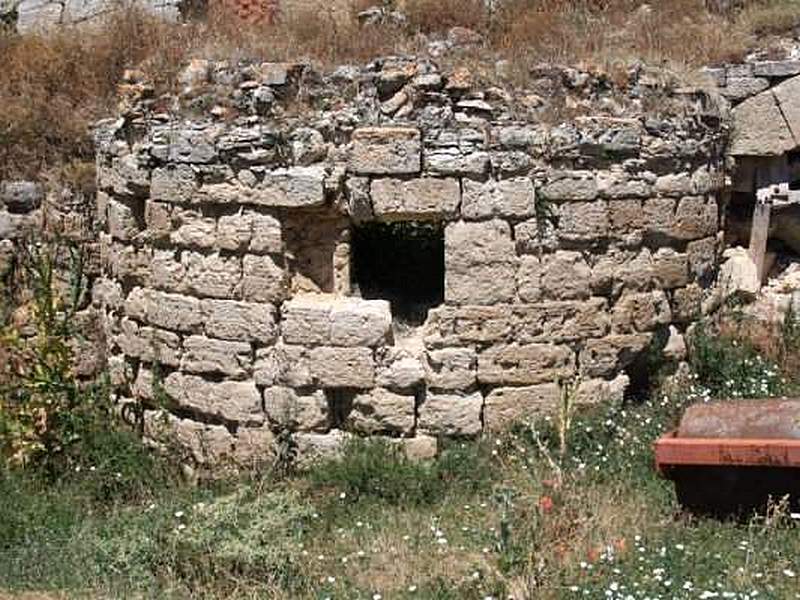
{"x":410,"y":255}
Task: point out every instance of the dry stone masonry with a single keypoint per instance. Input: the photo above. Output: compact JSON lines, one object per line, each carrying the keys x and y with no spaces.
{"x":235,"y":317}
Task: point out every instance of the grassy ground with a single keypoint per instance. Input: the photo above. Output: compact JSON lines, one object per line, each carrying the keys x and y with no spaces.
{"x":503,"y":517}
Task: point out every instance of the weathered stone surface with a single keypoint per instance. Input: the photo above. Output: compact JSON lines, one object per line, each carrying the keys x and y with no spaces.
{"x":480,"y":263}
{"x":158,"y":219}
{"x":451,"y":414}
{"x":173,"y":311}
{"x":234,"y":231}
{"x":212,"y":275}
{"x":342,"y":367}
{"x":659,"y":217}
{"x":315,"y":447}
{"x":176,"y":184}
{"x":451,"y":368}
{"x":572,"y":185}
{"x":293,"y":187}
{"x":529,"y":279}
{"x":619,"y":270}
{"x":207,"y":355}
{"x":787,"y":95}
{"x":626,"y":219}
{"x":263,"y":279}
{"x":606,"y":357}
{"x":399,"y":370}
{"x":457,"y":162}
{"x":255,"y":447}
{"x":695,"y":218}
{"x":565,"y":276}
{"x":193,"y":230}
{"x":641,"y":312}
{"x":166,"y":271}
{"x":240,"y":321}
{"x":524,"y":364}
{"x":206,"y":445}
{"x":509,"y":198}
{"x":703,"y":259}
{"x":427,"y":198}
{"x":617,"y":185}
{"x":687,"y":303}
{"x":776,"y":68}
{"x":583,"y":222}
{"x":121,"y":221}
{"x":289,"y":409}
{"x":739,"y":275}
{"x":670,"y":268}
{"x":596,"y":391}
{"x":237,"y":401}
{"x":306,"y":320}
{"x":760,"y":129}
{"x":266,"y":236}
{"x":386,"y":151}
{"x":382,"y":411}
{"x":313,"y":319}
{"x":418,"y":448}
{"x":740,"y":88}
{"x":506,"y":406}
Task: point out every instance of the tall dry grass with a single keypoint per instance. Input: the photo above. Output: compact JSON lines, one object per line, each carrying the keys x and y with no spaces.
{"x":53,"y":87}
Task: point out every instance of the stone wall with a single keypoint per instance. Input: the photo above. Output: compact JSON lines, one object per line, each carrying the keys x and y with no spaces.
{"x":571,"y":253}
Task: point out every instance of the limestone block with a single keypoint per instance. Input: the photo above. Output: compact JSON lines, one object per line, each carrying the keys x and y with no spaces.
{"x":509,"y":198}
{"x":787,"y":95}
{"x":451,"y":368}
{"x":144,"y":387}
{"x":126,"y":262}
{"x":606,"y":357}
{"x":759,"y":128}
{"x":675,"y":348}
{"x":425,"y":198}
{"x":675,"y":184}
{"x":457,"y":162}
{"x":617,"y":185}
{"x":739,"y":88}
{"x":267,"y":236}
{"x":583,"y":222}
{"x":234,"y":232}
{"x":451,"y":414}
{"x":398,"y":369}
{"x":776,"y":68}
{"x":192,"y":143}
{"x":283,"y":365}
{"x":506,"y":406}
{"x":342,"y":367}
{"x":242,"y":321}
{"x":641,"y":311}
{"x":529,"y":279}
{"x":107,"y":293}
{"x":659,"y":217}
{"x":696,"y":217}
{"x":596,"y":391}
{"x":264,"y":280}
{"x":738,"y":276}
{"x":166,"y":271}
{"x":702,"y":258}
{"x":418,"y":448}
{"x":193,"y":230}
{"x":174,"y":311}
{"x":532,"y":239}
{"x":480,"y":263}
{"x":570,"y":185}
{"x":212,"y":275}
{"x":625,"y":217}
{"x":288,"y":409}
{"x":254,"y":447}
{"x":385,"y":151}
{"x":359,"y":203}
{"x":121,"y":221}
{"x":237,"y":401}
{"x":158,"y":219}
{"x":136,"y":303}
{"x":382,"y":411}
{"x":293,"y":188}
{"x":306,"y":320}
{"x":622,"y":269}
{"x":313,"y":448}
{"x":177,"y":184}
{"x":356,"y":322}
{"x":670,"y":268}
{"x":525,"y":364}
{"x":149,"y":344}
{"x":565,"y":276}
{"x":207,"y":355}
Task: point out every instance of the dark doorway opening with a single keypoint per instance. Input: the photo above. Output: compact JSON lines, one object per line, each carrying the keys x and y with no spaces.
{"x":402,"y":263}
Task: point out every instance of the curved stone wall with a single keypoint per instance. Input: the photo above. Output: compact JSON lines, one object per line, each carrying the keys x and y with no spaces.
{"x":228,"y":298}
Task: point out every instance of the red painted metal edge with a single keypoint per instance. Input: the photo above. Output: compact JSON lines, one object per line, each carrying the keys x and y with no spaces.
{"x":674,"y":451}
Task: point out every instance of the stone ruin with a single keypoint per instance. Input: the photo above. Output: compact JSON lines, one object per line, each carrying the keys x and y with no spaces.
{"x":393,"y":251}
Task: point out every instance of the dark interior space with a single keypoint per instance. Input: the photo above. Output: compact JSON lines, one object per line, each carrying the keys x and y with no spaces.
{"x":402,"y":263}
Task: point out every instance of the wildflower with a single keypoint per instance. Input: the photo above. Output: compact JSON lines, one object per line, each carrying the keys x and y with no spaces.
{"x":343,"y":495}
{"x":331,"y":579}
{"x":545,"y":503}
{"x":179,"y":514}
{"x":412,"y":588}
{"x":788,"y":572}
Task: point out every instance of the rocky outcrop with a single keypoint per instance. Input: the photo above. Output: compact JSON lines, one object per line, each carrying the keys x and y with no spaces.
{"x":32,"y":16}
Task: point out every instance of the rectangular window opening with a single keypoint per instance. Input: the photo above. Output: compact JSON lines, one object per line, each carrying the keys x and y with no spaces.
{"x":403,"y":263}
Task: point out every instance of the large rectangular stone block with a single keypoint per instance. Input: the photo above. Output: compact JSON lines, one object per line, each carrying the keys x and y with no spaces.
{"x":314,"y":319}
{"x":174,"y":311}
{"x":451,"y":414}
{"x":264,"y":280}
{"x":241,"y":321}
{"x":207,"y":355}
{"x":237,"y":401}
{"x":382,"y":412}
{"x":525,"y":364}
{"x":421,"y":199}
{"x":583,"y":222}
{"x":176,"y":184}
{"x":342,"y":367}
{"x":149,"y":344}
{"x":293,"y":187}
{"x":509,"y":405}
{"x":607,"y":356}
{"x":451,"y":368}
{"x":306,"y":320}
{"x":288,"y":409}
{"x":386,"y":151}
{"x":509,"y":198}
{"x":212,"y":275}
{"x":192,"y":229}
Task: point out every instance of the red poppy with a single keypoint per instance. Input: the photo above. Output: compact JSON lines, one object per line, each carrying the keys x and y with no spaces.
{"x":546,"y":503}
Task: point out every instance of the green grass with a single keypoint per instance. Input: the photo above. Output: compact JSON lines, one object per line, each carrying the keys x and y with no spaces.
{"x":506,"y":516}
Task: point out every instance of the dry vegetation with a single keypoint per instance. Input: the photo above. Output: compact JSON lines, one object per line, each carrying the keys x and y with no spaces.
{"x":52,"y":88}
